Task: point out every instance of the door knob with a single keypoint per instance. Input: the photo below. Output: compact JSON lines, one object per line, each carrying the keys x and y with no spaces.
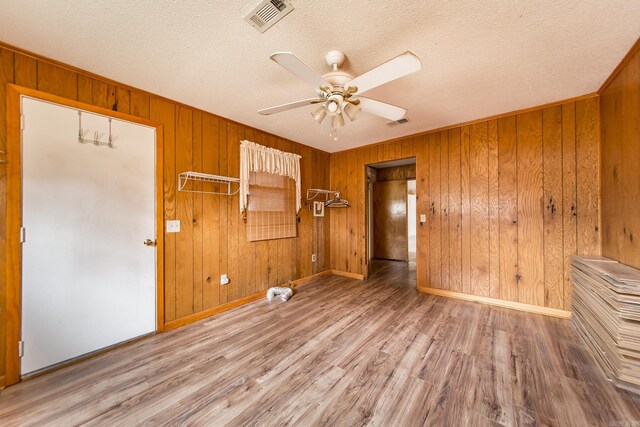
{"x":149,"y":242}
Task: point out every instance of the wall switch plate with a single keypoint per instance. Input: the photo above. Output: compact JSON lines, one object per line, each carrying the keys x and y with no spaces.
{"x":314,"y":257}
{"x":173,"y":226}
{"x":224,"y":279}
{"x":423,"y":218}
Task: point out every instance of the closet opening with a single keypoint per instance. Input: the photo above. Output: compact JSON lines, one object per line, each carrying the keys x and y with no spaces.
{"x":391,"y":211}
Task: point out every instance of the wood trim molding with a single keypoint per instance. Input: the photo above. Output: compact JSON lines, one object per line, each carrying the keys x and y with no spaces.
{"x":536,"y":309}
{"x":474,"y":121}
{"x":14,"y":215}
{"x":311,"y":278}
{"x":2,"y":382}
{"x":348,"y":274}
{"x":183,"y":321}
{"x":14,"y":254}
{"x":623,"y":63}
{"x":7,"y":46}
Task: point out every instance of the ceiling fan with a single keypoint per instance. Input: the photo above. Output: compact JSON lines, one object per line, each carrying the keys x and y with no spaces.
{"x":339,"y":92}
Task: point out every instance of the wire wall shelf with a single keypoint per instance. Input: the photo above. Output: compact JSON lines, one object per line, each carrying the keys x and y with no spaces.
{"x":216,"y":181}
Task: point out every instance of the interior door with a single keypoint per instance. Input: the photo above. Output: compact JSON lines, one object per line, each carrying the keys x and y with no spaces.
{"x":390,"y":220}
{"x":88,"y":282}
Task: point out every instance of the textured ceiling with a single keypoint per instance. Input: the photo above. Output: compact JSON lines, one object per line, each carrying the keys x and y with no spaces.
{"x":479,"y":57}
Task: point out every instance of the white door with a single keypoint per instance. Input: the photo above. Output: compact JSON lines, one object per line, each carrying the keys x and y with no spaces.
{"x":88,"y":282}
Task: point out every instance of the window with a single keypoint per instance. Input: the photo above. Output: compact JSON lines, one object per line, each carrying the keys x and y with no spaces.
{"x":271,"y":211}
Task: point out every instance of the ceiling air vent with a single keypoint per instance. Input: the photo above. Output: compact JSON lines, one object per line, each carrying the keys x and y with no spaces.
{"x":398,"y":122}
{"x":267,"y":13}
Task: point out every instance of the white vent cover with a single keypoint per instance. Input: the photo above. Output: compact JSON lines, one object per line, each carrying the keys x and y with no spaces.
{"x":267,"y":13}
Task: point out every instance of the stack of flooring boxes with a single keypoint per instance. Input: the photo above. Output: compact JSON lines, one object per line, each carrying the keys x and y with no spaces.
{"x":606,"y":312}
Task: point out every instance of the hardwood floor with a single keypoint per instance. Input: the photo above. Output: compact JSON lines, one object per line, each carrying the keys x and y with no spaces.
{"x":340,"y":352}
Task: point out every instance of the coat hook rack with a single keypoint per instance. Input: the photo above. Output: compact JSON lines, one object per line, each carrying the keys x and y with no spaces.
{"x":97,"y":136}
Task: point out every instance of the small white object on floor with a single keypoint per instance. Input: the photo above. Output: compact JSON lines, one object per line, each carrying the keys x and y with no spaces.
{"x":281,"y":291}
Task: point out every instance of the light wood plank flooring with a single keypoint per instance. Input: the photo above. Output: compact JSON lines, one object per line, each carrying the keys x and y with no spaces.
{"x":341,"y":352}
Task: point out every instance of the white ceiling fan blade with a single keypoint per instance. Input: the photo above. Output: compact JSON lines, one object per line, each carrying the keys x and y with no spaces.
{"x":289,"y":106}
{"x":395,"y":68}
{"x":381,"y":109}
{"x":291,"y":62}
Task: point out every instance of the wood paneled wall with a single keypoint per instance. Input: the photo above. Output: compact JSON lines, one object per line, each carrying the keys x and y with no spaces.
{"x":508,"y":201}
{"x":620,"y":121}
{"x":212,"y":239}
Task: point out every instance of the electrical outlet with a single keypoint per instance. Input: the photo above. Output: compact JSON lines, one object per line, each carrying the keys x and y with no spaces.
{"x":314,"y":257}
{"x":423,"y":218}
{"x":224,"y":279}
{"x":173,"y":226}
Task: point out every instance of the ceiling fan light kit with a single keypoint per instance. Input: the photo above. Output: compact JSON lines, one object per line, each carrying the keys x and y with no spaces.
{"x":339,"y":92}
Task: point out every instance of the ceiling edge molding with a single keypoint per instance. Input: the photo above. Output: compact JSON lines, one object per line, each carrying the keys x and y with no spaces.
{"x":480,"y":120}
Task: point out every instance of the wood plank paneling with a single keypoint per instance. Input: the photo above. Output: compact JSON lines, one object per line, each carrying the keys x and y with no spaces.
{"x":198,"y":215}
{"x":455,"y":213}
{"x":465,"y":191}
{"x":503,"y":200}
{"x":508,"y":199}
{"x":85,"y":89}
{"x":588,"y":176}
{"x":123,"y":99}
{"x":479,"y":208}
{"x":233,"y":216}
{"x":184,"y":213}
{"x":26,"y":71}
{"x":361,"y":186}
{"x":435,"y":226}
{"x":530,"y":210}
{"x":494,"y":209}
{"x":569,"y":197}
{"x":352,"y":213}
{"x":57,"y":81}
{"x":104,"y":94}
{"x":422,"y":201}
{"x":211,"y":217}
{"x":164,"y":112}
{"x":553,"y":207}
{"x":444,"y":208}
{"x":620,"y":122}
{"x":224,"y":210}
{"x":139,"y":104}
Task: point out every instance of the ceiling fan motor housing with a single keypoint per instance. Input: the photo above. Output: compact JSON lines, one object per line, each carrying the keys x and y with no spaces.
{"x":337,"y":78}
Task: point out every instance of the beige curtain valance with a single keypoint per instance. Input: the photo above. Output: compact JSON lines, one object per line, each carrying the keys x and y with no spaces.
{"x":258,"y":158}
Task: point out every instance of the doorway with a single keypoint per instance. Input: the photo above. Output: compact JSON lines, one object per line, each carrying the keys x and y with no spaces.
{"x":83,"y":229}
{"x":391,"y":191}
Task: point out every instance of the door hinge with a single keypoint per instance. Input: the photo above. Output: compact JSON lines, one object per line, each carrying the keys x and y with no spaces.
{"x":22,"y":121}
{"x":20,"y":348}
{"x":23,"y":234}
